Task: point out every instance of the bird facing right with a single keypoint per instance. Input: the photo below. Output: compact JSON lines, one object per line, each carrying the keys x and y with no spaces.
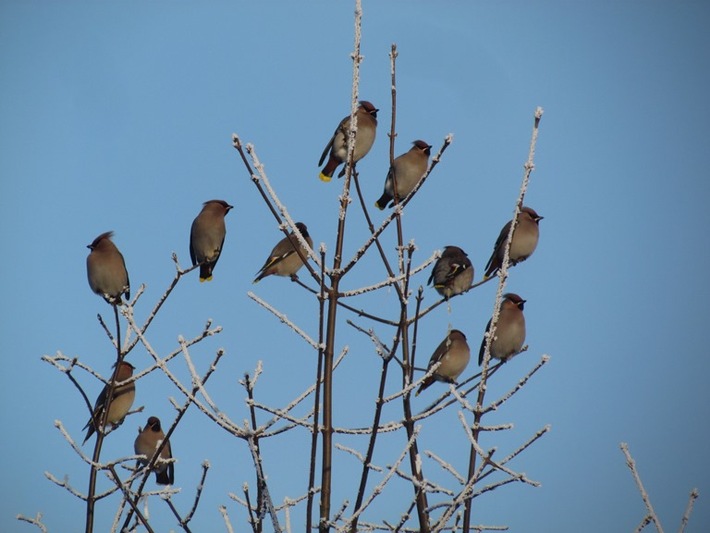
{"x":283,"y":259}
{"x":207,"y":236}
{"x":121,"y":401}
{"x":106,"y":270}
{"x":525,"y":237}
{"x":452,"y":273}
{"x":510,"y":329}
{"x":337,"y":147}
{"x":454,"y":354}
{"x":406,"y":170}
{"x":147,"y":442}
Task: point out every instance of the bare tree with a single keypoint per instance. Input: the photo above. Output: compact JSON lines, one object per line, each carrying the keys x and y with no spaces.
{"x":427,"y":505}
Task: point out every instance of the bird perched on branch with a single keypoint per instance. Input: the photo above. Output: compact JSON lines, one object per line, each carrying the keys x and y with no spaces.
{"x":407,"y":169}
{"x":510,"y":329}
{"x":452,"y":273}
{"x":106,"y":270}
{"x":338,"y":145}
{"x":147,"y":443}
{"x":454,"y":354}
{"x":525,"y":237}
{"x":121,"y":401}
{"x":283,"y":259}
{"x":207,"y":236}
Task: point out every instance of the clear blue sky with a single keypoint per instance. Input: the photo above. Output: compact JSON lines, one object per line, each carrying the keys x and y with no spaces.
{"x":118,"y":116}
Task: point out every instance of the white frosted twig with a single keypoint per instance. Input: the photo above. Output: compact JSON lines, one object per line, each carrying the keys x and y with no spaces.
{"x":279,"y":414}
{"x":291,"y":502}
{"x":282,"y":413}
{"x":197,"y":384}
{"x":425,"y":484}
{"x":446,"y":466}
{"x":225,"y":516}
{"x":220,"y":419}
{"x":261,"y":480}
{"x":36,"y":521}
{"x":259,"y":167}
{"x":487,"y":457}
{"x":359,"y":456}
{"x":178,"y":276}
{"x":98,"y":466}
{"x":689,"y":509}
{"x":56,"y":360}
{"x":521,"y":383}
{"x":390,"y":281}
{"x":461,"y":398}
{"x":284,"y":319}
{"x":430,"y":372}
{"x":65,"y":484}
{"x":526,"y":444}
{"x":391,"y":471}
{"x":644,"y":495}
{"x":646,"y":520}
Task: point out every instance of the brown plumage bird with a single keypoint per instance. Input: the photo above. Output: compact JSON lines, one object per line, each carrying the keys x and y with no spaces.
{"x":525,"y":237}
{"x":406,"y":170}
{"x":454,"y":354}
{"x":283,"y":259}
{"x":121,"y":401}
{"x":106,"y":270}
{"x":207,"y":236}
{"x":452,"y":273}
{"x":337,"y":147}
{"x":510,"y":329}
{"x":147,"y":442}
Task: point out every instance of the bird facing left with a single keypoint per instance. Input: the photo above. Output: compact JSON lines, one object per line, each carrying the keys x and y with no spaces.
{"x":106,"y":270}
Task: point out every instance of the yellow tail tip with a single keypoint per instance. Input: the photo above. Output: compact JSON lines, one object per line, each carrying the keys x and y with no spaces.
{"x":202,"y":280}
{"x":324,"y":178}
{"x":378,"y":206}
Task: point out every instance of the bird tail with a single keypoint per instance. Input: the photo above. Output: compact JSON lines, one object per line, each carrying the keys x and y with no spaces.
{"x":425,"y":384}
{"x":205,"y":273}
{"x":327,"y":173}
{"x":382,"y":202}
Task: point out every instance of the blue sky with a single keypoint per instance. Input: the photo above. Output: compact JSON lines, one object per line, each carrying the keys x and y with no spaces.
{"x":118,"y":116}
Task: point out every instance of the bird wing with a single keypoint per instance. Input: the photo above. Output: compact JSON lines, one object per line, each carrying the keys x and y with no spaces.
{"x":499,"y":242}
{"x":328,"y":147}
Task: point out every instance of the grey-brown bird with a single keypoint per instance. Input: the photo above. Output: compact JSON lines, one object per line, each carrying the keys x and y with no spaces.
{"x":207,"y":236}
{"x":283,"y":259}
{"x":452,"y":273}
{"x":147,"y":443}
{"x":106,"y":270}
{"x":454,"y":354}
{"x":121,"y":401}
{"x":510,"y":329}
{"x":525,"y":237}
{"x":406,"y":171}
{"x":337,"y":147}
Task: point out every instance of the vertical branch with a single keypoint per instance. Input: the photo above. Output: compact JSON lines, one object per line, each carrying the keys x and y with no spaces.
{"x":407,"y":368}
{"x":100,"y":425}
{"x":503,"y":276}
{"x":317,"y":394}
{"x":393,"y":134}
{"x":644,"y":495}
{"x":259,"y":489}
{"x":327,"y":459}
{"x":689,"y":509}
